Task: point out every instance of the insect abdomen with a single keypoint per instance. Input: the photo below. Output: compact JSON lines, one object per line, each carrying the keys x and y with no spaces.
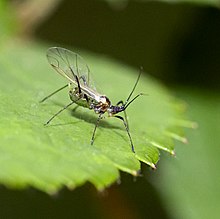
{"x":78,"y":100}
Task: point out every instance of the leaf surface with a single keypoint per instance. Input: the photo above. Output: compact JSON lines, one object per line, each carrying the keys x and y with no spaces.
{"x":60,"y":154}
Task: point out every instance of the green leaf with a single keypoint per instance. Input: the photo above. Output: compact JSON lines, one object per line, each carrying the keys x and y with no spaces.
{"x":60,"y":154}
{"x":194,"y":176}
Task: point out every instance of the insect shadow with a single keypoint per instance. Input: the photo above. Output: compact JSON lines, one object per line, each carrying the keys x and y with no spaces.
{"x":85,"y":117}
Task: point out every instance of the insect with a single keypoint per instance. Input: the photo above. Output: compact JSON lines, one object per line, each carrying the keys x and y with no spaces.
{"x":81,"y":90}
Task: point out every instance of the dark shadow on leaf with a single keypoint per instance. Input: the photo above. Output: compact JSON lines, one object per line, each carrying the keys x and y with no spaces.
{"x":124,"y":135}
{"x":85,"y":117}
{"x":63,"y":124}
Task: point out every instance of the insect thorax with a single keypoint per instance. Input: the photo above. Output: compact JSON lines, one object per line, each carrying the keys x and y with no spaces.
{"x":102,"y":105}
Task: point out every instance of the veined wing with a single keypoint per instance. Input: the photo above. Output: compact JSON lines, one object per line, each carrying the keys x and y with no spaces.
{"x":69,"y":65}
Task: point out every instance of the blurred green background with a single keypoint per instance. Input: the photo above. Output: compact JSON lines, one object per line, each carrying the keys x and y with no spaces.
{"x":177,"y":43}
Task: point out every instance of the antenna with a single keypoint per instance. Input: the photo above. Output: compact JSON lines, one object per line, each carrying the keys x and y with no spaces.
{"x":141,"y":69}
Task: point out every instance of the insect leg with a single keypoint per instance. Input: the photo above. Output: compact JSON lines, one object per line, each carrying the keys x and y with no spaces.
{"x":126,"y":127}
{"x":126,"y":118}
{"x":45,"y":98}
{"x":120,"y":102}
{"x":77,"y":79}
{"x":96,"y":125}
{"x":65,"y":107}
{"x":86,"y":97}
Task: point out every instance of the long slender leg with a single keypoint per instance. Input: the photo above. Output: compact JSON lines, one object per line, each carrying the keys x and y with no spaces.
{"x":77,"y":80}
{"x":119,"y":102}
{"x":96,"y":125}
{"x":65,"y":107}
{"x":126,"y":127}
{"x":126,"y":118}
{"x":45,"y":98}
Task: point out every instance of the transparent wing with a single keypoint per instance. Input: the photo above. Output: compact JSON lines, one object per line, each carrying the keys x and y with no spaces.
{"x":69,"y":65}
